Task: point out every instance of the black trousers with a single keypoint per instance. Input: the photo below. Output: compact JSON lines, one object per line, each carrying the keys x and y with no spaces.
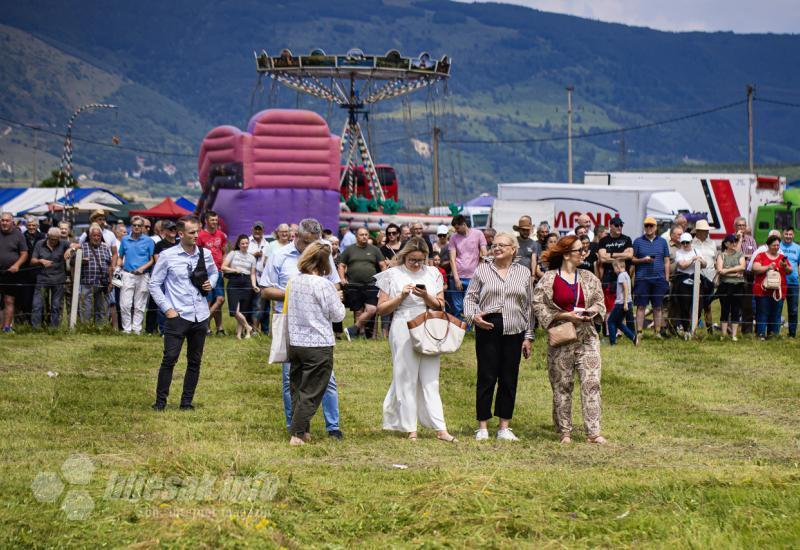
{"x":498,"y":365}
{"x":308,"y":378}
{"x":177,"y":330}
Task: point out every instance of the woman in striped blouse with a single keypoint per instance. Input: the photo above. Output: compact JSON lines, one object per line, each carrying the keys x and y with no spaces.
{"x":498,"y":303}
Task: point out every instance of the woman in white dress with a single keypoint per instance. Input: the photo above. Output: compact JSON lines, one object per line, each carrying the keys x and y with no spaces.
{"x":406,"y":290}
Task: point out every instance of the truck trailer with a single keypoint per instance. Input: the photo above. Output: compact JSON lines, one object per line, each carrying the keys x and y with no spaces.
{"x":722,"y":197}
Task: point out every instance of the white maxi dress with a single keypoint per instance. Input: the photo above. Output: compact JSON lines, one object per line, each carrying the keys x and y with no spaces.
{"x":414,"y":393}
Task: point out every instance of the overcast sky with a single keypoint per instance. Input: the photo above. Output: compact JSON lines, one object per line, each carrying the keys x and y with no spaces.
{"x":741,"y":16}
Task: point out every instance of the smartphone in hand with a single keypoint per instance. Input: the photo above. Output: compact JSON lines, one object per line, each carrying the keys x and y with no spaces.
{"x":421,"y":287}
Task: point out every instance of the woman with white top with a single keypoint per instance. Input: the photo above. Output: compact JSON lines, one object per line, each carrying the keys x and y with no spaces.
{"x":687,"y":259}
{"x":313,"y":306}
{"x":240,"y":269}
{"x":407,"y":290}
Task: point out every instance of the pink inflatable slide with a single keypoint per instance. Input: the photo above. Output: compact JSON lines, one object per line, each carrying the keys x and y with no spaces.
{"x":283,"y":169}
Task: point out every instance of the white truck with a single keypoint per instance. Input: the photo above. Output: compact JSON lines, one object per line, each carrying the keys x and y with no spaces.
{"x":565,"y":202}
{"x":723,"y":197}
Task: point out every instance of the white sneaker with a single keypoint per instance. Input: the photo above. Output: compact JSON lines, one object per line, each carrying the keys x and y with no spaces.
{"x":505,"y":434}
{"x":481,"y":435}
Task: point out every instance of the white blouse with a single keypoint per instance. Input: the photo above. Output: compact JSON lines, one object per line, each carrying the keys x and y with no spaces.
{"x":313,"y":305}
{"x":394,"y":279}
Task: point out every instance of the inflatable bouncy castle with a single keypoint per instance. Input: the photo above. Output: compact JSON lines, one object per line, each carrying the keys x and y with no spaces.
{"x":284,"y":168}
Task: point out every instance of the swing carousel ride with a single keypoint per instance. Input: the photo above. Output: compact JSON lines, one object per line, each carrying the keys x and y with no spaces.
{"x":288,"y":165}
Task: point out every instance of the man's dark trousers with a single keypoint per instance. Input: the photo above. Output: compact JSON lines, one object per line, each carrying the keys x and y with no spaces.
{"x":176,"y":330}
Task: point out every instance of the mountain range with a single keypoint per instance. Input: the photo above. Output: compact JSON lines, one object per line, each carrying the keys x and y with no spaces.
{"x":177,"y":69}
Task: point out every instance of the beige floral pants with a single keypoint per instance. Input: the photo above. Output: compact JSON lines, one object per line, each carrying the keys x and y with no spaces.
{"x":562,"y":362}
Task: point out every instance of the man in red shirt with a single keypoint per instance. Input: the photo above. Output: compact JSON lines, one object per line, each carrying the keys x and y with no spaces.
{"x":216,"y":242}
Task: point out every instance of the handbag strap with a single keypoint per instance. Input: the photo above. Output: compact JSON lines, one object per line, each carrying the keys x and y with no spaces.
{"x":286,"y":298}
{"x":432,"y":337}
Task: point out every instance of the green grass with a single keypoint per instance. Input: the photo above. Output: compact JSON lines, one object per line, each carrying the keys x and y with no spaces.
{"x":704,"y":451}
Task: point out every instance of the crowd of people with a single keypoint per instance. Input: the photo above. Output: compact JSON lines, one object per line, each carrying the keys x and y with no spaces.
{"x":597,"y":282}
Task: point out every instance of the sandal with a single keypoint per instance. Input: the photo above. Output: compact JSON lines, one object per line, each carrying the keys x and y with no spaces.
{"x":412,"y":436}
{"x":598,"y":440}
{"x":565,"y":439}
{"x":447,"y":438}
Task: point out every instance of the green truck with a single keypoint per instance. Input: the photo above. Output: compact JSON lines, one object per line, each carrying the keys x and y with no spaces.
{"x":779,"y":216}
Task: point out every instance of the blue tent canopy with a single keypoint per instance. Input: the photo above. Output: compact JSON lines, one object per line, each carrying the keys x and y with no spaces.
{"x":183,"y":202}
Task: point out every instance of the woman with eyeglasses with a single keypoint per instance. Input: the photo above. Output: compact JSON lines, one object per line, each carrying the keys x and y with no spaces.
{"x":406,"y":290}
{"x":567,"y":294}
{"x":498,"y":303}
{"x":687,"y":259}
{"x":391,"y":247}
{"x":730,"y":268}
{"x":769,"y":302}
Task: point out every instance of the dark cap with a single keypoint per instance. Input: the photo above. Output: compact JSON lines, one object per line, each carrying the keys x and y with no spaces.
{"x":729,"y":238}
{"x":259,"y":224}
{"x":168,"y":224}
{"x":616,"y":220}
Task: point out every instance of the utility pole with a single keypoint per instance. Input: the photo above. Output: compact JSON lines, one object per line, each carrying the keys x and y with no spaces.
{"x":436,"y":135}
{"x":750,"y":91}
{"x":570,"y":89}
{"x":35,"y":182}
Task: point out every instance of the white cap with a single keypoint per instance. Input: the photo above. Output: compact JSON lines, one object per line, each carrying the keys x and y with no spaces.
{"x":686,"y":238}
{"x":442,"y":230}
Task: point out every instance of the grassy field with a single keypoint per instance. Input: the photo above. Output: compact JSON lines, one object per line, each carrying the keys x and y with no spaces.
{"x":704,"y":452}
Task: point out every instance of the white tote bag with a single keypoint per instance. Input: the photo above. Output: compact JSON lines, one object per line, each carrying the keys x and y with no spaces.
{"x":279,"y":348}
{"x":436,"y":332}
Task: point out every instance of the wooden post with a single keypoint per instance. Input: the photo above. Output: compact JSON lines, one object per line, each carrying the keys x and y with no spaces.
{"x":695,"y":297}
{"x":436,"y":133}
{"x":76,"y":288}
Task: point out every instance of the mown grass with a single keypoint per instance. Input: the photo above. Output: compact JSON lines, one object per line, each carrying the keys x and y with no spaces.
{"x":704,"y":451}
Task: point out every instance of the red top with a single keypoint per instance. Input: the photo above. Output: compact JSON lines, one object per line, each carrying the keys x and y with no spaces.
{"x":564,"y":293}
{"x":763,"y":259}
{"x":215,"y":242}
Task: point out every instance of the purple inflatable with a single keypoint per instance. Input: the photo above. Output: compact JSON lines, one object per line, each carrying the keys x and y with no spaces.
{"x":240,"y":208}
{"x":283,"y":169}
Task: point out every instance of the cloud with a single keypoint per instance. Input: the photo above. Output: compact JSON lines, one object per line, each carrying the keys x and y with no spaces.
{"x":742,"y":16}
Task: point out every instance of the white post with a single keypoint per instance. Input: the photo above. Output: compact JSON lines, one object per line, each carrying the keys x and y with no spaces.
{"x":76,"y":287}
{"x":695,"y":297}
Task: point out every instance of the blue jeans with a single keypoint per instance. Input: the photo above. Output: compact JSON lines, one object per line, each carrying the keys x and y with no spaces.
{"x":260,"y":312}
{"x":615,"y":322}
{"x":330,"y":401}
{"x":792,"y":292}
{"x":457,"y":297}
{"x":768,"y":316}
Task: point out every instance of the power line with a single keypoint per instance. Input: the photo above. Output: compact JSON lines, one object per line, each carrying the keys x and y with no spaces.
{"x":776,"y":102}
{"x":606,"y":132}
{"x":103,"y":144}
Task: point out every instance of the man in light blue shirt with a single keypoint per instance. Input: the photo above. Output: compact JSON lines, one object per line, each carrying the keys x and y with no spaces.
{"x":280,"y":269}
{"x":135,"y":259}
{"x":348,"y":237}
{"x":791,"y":250}
{"x":185,"y":309}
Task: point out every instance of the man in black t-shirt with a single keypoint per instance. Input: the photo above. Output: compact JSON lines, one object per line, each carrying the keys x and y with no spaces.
{"x":612,"y":247}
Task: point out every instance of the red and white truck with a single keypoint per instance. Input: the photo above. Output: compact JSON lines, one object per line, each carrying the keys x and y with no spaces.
{"x":723,"y":197}
{"x":561,"y":204}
